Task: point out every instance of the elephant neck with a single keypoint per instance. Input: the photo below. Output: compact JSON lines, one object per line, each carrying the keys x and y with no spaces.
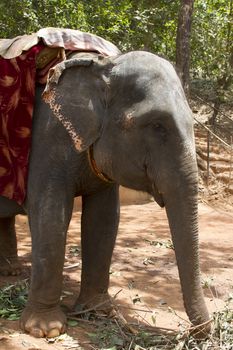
{"x":94,"y":167}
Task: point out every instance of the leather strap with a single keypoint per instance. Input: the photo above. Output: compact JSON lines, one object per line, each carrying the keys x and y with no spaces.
{"x":94,"y":167}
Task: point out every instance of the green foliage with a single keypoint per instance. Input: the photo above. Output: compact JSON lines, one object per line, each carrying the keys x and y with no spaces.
{"x":13,"y":299}
{"x":212,"y":38}
{"x":16,"y":17}
{"x":31,"y":15}
{"x":112,"y":334}
{"x":133,"y":24}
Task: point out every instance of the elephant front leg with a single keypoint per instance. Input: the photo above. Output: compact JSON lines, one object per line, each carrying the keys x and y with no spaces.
{"x":100,"y":218}
{"x":9,"y":263}
{"x":49,"y":217}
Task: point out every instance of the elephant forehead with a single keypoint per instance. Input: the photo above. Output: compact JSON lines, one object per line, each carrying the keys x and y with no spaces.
{"x":160,"y":101}
{"x":145,"y":65}
{"x":149,"y":79}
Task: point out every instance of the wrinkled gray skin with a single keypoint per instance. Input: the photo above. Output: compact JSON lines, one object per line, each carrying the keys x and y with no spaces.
{"x":133,"y":110}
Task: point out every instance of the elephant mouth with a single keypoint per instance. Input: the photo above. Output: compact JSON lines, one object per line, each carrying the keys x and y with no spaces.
{"x":158,"y":197}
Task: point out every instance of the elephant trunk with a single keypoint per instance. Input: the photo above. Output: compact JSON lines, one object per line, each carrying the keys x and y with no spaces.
{"x":181,"y":207}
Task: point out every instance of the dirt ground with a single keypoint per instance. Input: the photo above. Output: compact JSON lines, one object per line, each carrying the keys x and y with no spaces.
{"x":143,"y":272}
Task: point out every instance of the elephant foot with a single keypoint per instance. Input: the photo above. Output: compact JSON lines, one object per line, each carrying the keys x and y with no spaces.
{"x":47,"y":323}
{"x":10,"y":266}
{"x":100,"y":303}
{"x":201,"y":331}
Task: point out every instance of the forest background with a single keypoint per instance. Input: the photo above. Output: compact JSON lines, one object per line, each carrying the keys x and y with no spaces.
{"x":140,"y":24}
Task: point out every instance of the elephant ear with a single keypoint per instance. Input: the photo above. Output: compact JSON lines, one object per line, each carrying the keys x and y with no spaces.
{"x":76,"y":93}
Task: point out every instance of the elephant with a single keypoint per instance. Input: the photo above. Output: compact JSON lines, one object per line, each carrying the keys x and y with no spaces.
{"x":101,"y":123}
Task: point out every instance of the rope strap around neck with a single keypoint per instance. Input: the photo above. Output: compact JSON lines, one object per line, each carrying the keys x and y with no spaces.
{"x":94,"y":167}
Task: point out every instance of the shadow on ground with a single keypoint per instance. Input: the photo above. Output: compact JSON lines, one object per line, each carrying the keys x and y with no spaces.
{"x":143,"y":272}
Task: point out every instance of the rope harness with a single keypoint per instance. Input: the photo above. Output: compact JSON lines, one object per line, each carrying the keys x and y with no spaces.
{"x":94,"y":167}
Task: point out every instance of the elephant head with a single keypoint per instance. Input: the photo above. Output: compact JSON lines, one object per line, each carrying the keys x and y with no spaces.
{"x":133,"y":112}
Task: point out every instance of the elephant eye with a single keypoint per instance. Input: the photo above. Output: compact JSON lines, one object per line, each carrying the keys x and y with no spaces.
{"x":157,"y":125}
{"x":159,"y":129}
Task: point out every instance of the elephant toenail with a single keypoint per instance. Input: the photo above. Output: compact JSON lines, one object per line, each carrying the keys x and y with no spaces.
{"x":53,"y":333}
{"x":37,"y":333}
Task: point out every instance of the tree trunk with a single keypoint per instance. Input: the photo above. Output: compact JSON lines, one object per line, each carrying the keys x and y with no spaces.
{"x":182,"y":42}
{"x":225,"y":79}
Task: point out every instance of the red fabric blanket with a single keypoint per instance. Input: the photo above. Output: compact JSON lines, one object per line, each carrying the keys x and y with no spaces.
{"x":17,"y":92}
{"x":21,"y":65}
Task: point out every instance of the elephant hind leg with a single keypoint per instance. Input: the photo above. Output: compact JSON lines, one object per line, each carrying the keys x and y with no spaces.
{"x":9,"y":262}
{"x":100,"y":303}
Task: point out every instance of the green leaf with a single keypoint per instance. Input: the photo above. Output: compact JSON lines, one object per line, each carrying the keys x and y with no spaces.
{"x":72,"y":323}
